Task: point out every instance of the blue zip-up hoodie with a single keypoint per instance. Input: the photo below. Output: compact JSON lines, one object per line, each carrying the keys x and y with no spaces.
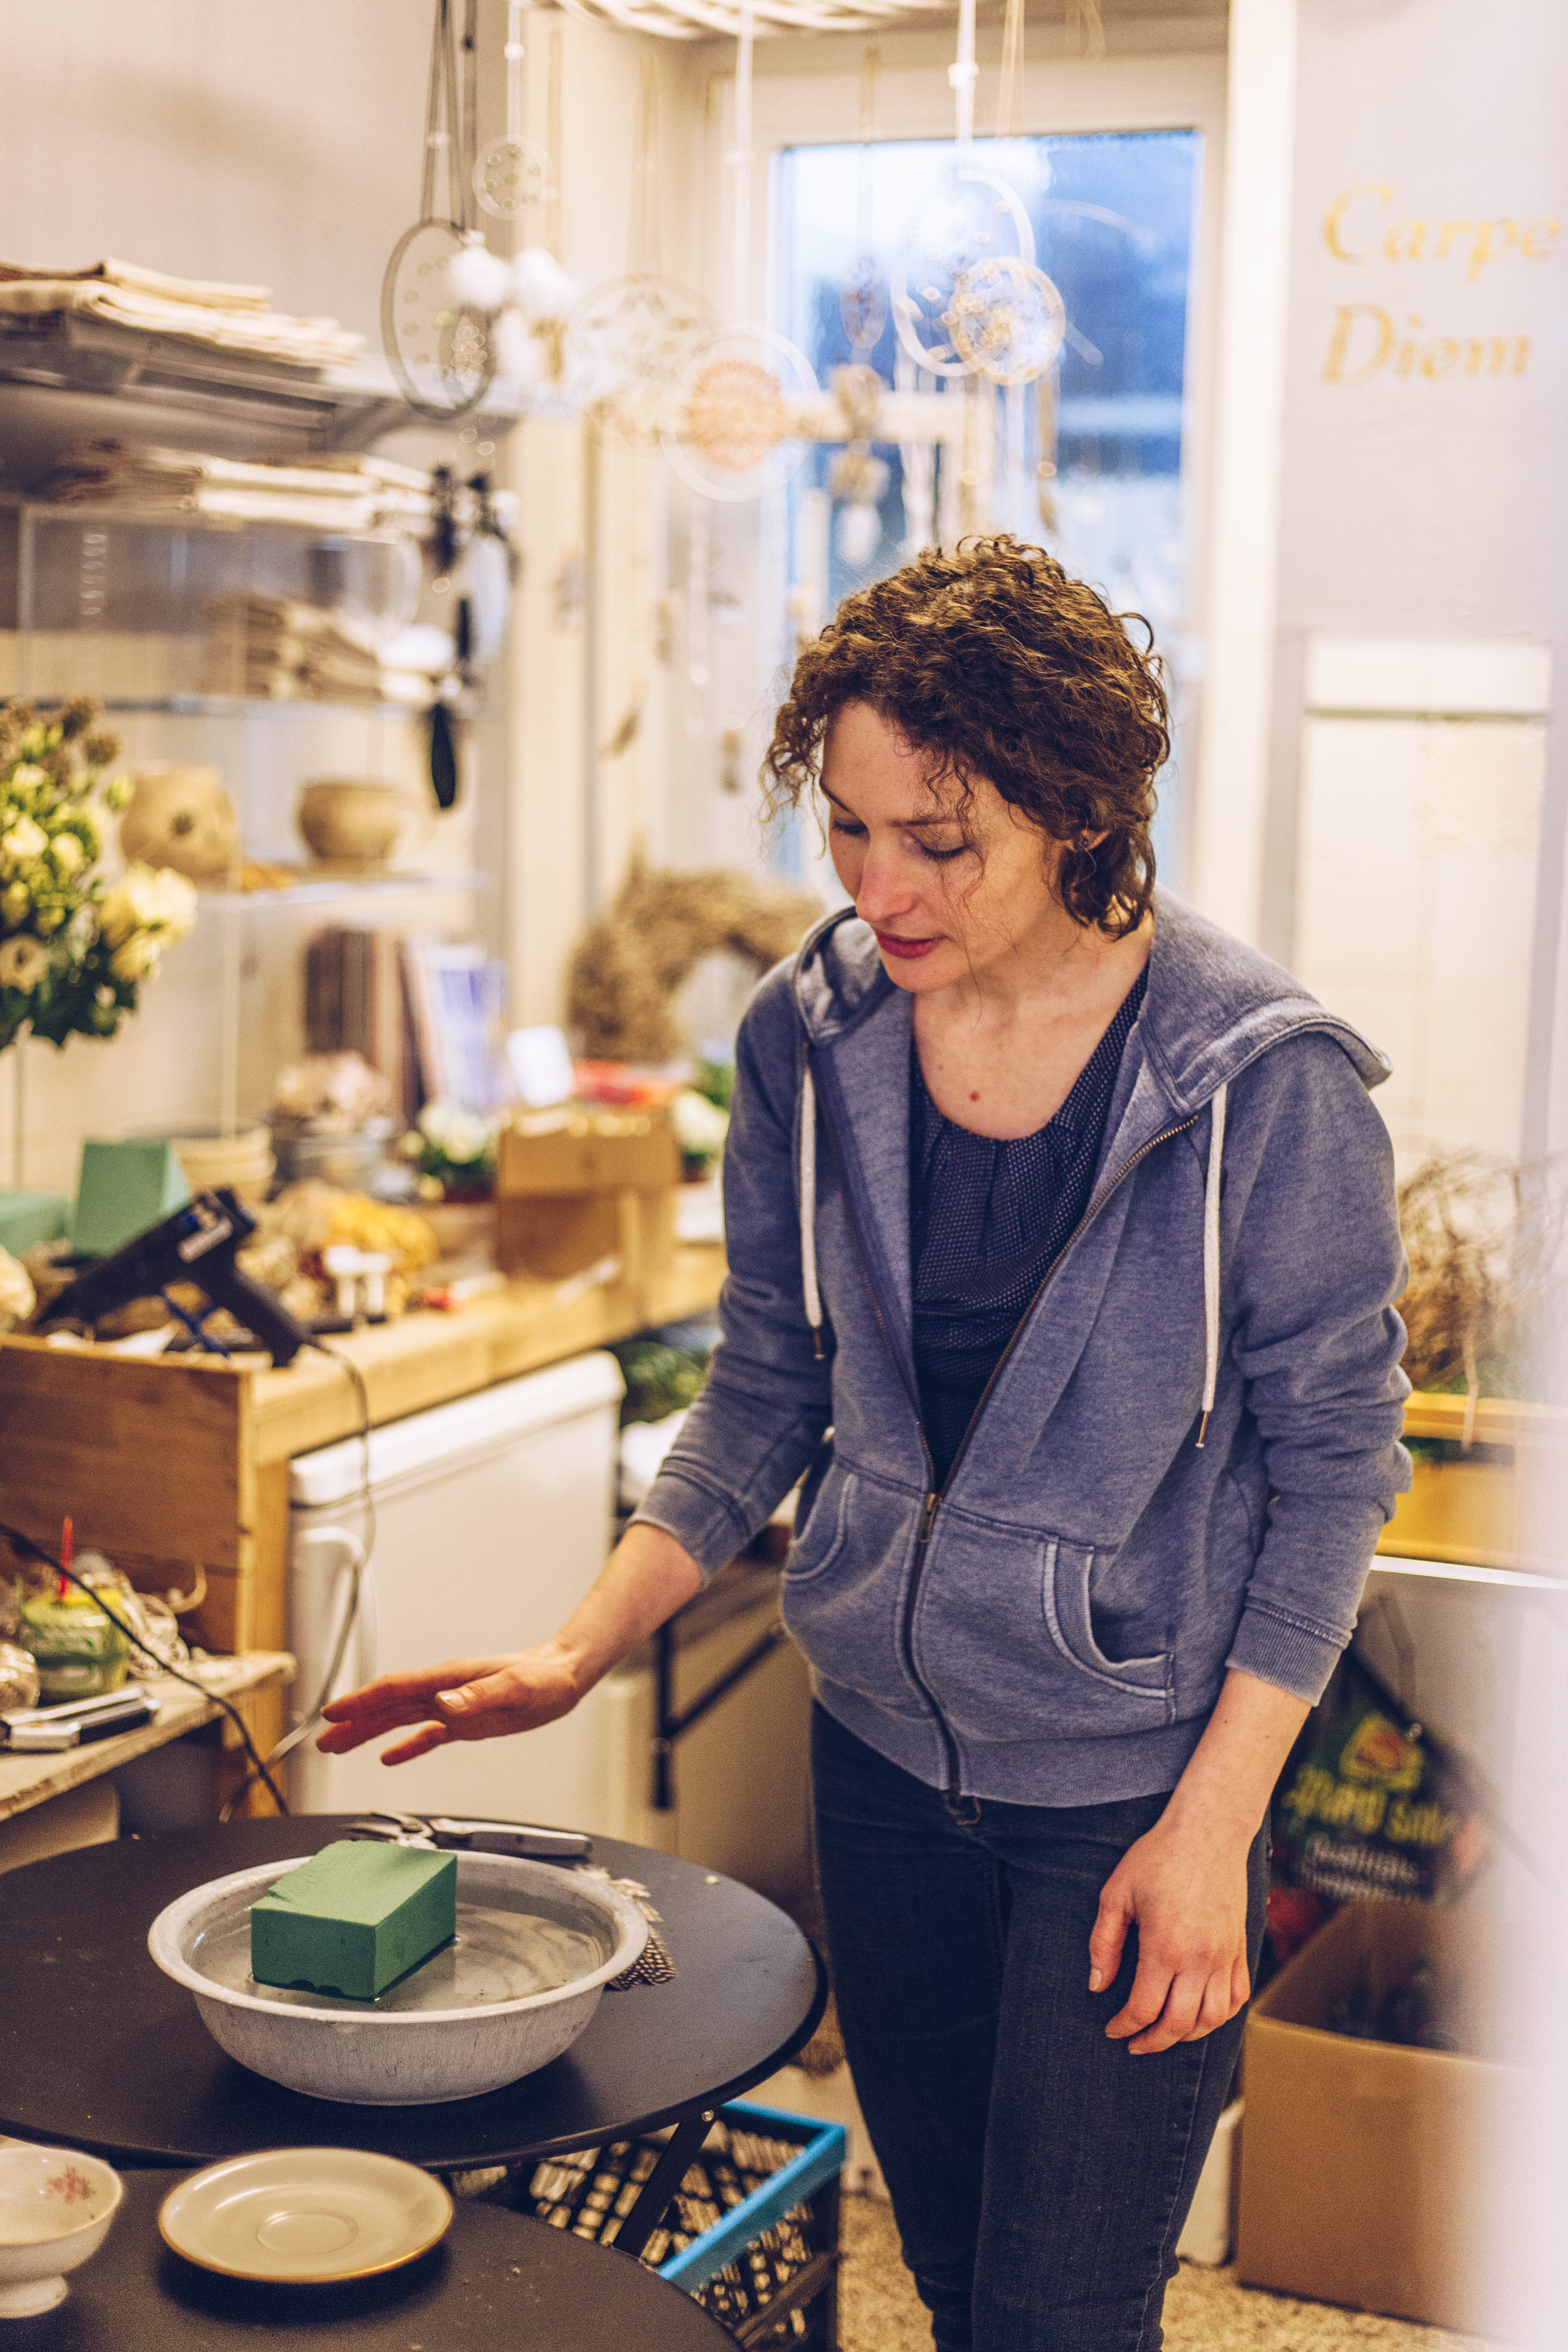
{"x":1053,"y":1626}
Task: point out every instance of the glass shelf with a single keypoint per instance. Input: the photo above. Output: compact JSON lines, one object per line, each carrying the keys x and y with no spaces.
{"x":233,"y":706}
{"x":346,"y":885}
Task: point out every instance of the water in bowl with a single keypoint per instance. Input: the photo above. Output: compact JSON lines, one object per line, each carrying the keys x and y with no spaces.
{"x":497,"y":1956}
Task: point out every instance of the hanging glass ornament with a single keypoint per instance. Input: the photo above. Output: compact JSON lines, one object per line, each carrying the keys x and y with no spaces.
{"x":438,"y":346}
{"x":511,"y":175}
{"x":1007,"y":321}
{"x":734,"y":429}
{"x":968,"y":218}
{"x":628,"y":341}
{"x":863,"y":304}
{"x":627,"y":344}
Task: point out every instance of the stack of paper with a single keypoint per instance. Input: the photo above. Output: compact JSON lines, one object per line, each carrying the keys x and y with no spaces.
{"x":276,"y":649}
{"x":338,"y":494}
{"x":231,"y":317}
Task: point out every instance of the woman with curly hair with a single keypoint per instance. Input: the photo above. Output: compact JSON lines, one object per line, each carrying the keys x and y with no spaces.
{"x":1062,"y":1261}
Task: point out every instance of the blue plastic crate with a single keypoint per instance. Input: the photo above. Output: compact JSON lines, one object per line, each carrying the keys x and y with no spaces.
{"x":823,"y":2147}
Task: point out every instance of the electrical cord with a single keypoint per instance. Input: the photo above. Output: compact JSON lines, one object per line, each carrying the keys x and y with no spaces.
{"x":41,"y":1553}
{"x":366,"y":1495}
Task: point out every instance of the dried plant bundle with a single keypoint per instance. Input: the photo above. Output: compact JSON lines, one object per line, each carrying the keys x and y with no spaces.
{"x":1487,"y":1244}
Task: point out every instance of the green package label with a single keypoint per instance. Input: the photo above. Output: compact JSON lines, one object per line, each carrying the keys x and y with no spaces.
{"x":1379,"y":1808}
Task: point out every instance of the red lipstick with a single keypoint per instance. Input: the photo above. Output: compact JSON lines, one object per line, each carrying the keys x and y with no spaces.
{"x":908,"y":950}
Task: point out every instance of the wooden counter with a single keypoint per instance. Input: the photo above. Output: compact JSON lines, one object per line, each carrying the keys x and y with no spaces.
{"x":178,"y":1469}
{"x":32,"y":1780}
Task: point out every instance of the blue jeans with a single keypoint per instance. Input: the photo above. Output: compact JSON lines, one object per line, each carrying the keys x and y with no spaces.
{"x":1039,"y":2173}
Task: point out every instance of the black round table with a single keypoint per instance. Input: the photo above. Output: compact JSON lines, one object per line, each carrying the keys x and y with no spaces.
{"x":102,"y":2050}
{"x":495,"y":2279}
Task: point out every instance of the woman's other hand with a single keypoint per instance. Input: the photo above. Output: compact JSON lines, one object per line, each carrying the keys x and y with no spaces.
{"x":1187,"y":1894}
{"x":464,"y":1698}
{"x":1183,"y":1885}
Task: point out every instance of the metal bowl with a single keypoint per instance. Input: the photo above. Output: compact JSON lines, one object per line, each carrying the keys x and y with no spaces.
{"x":454,"y":2027}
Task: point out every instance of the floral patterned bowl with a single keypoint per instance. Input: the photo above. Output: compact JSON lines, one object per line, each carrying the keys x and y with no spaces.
{"x":55,"y":2211}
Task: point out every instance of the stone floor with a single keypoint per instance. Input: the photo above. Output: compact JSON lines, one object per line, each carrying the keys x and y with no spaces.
{"x":1206,"y":2311}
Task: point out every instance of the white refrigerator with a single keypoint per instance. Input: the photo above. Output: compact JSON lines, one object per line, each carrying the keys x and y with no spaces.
{"x":492,"y":1516}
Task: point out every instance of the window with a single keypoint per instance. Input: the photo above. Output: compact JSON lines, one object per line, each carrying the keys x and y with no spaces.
{"x":1089,"y":460}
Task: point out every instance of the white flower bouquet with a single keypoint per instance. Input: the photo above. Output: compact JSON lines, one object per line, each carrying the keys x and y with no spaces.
{"x":74,"y":948}
{"x":453,"y":1151}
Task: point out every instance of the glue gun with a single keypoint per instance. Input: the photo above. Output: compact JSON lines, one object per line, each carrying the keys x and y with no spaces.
{"x":197,"y":1244}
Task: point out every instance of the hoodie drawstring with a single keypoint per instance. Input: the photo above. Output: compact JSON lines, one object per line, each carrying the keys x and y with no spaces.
{"x":1211,"y":1256}
{"x":808,"y":1210}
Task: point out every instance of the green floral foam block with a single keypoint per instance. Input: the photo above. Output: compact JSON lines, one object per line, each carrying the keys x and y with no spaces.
{"x":354,"y":1919}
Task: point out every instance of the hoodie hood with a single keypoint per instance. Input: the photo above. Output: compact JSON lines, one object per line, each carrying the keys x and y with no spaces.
{"x":1213,"y":1004}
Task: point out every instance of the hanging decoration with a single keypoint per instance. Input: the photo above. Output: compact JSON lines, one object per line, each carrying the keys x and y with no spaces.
{"x":968,"y":298}
{"x":628,"y":341}
{"x":525,"y":301}
{"x":511,"y":175}
{"x":862,"y":298}
{"x":857,"y":478}
{"x":438,"y":343}
{"x":734,"y":428}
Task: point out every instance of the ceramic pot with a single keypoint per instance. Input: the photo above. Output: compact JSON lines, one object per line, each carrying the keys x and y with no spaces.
{"x":349,"y":822}
{"x":182,"y":818}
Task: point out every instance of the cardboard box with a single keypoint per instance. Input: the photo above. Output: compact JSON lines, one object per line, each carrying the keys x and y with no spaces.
{"x":589,"y":1152}
{"x":1367,"y":2170}
{"x":553,"y":1236}
{"x":591,"y":1186}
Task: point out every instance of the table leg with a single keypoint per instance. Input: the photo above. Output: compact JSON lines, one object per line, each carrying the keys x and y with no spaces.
{"x":684,"y":2146}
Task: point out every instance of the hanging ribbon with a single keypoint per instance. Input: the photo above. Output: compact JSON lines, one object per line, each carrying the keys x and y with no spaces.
{"x":1009,"y":89}
{"x":553,"y":234}
{"x":642,"y":242}
{"x":741,"y":167}
{"x":962,"y":75}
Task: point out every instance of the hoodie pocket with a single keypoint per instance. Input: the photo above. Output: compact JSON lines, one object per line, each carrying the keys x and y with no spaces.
{"x":1005,"y":1643}
{"x":844,"y":1583}
{"x":1070,"y":1619}
{"x":819,"y":1543}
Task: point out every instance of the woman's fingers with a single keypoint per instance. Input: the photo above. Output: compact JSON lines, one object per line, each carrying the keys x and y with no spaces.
{"x":396,"y":1699}
{"x":1109,"y":1934}
{"x":1178,"y":2013}
{"x":1151,"y":1989}
{"x":428,"y":1735}
{"x":1216,"y":2007}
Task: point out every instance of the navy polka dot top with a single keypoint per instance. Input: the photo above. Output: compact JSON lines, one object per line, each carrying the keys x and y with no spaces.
{"x":986,"y":1218}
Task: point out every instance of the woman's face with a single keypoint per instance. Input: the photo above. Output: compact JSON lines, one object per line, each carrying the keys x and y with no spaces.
{"x":953,"y":884}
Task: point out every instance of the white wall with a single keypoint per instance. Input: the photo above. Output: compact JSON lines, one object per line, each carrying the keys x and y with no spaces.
{"x":1423,"y":492}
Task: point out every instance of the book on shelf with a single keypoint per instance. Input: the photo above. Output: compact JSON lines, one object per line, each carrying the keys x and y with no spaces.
{"x":356,"y":1001}
{"x":457,"y":996}
{"x":428,"y":1013}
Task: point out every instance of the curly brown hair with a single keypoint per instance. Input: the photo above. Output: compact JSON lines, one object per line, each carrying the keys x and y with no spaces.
{"x":999,"y":665}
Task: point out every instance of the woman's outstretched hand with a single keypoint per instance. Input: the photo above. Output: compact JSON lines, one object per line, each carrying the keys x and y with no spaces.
{"x":1183,"y":1885}
{"x":646,"y":1577}
{"x":464,"y":1698}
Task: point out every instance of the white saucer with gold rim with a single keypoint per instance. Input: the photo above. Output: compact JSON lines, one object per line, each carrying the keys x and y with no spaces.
{"x":305,"y":2216}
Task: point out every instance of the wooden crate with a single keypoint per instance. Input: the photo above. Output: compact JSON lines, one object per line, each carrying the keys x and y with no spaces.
{"x":155,"y":1464}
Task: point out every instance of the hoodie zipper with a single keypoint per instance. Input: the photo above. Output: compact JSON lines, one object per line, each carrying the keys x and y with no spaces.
{"x":936,"y":1493}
